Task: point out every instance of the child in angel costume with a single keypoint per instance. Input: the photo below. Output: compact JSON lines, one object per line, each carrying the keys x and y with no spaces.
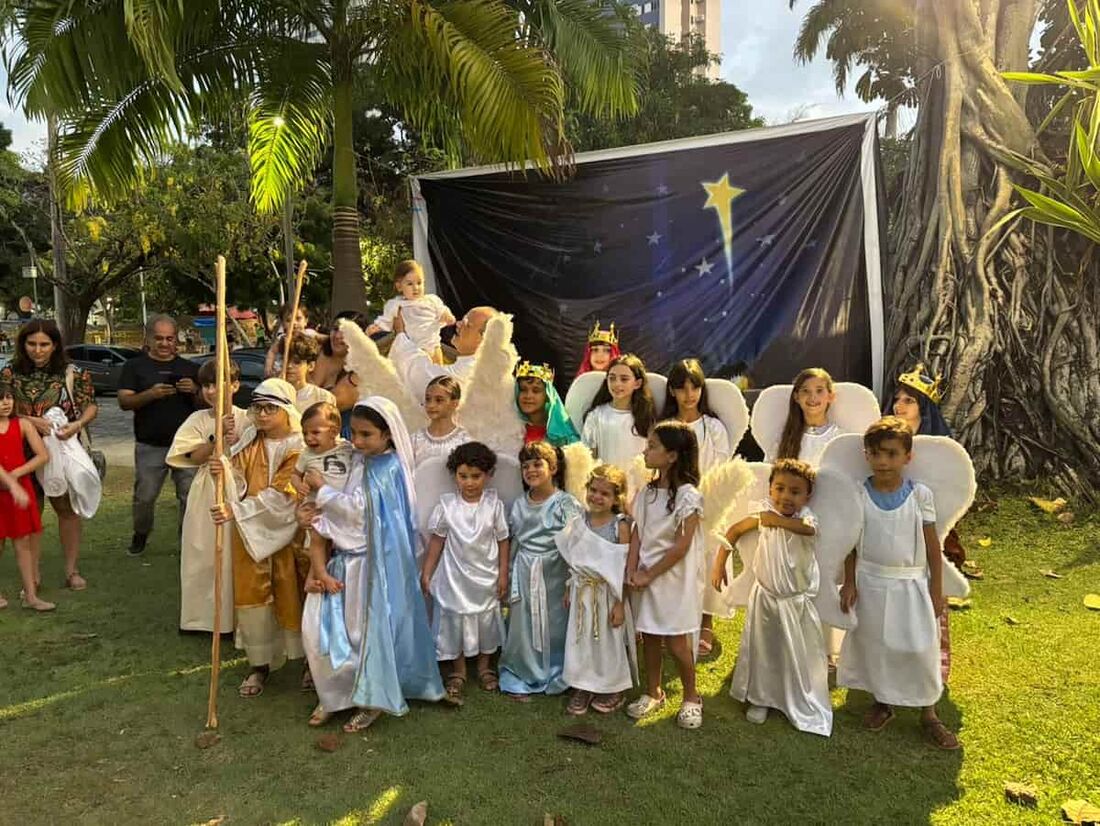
{"x":441,"y":435}
{"x":600,"y":350}
{"x":689,"y":398}
{"x":896,"y":580}
{"x":532,"y":660}
{"x":325,"y":460}
{"x":466,"y":568}
{"x":192,"y":447}
{"x":368,"y":640}
{"x":541,"y":408}
{"x":782,"y":663}
{"x":599,"y":642}
{"x":424,"y":313}
{"x":621,"y":414}
{"x":797,"y":421}
{"x":260,"y":499}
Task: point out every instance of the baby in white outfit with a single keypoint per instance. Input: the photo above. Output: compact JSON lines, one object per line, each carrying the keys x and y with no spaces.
{"x":424,"y":315}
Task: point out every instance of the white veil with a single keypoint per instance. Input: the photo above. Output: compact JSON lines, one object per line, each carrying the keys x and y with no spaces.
{"x":399,"y":434}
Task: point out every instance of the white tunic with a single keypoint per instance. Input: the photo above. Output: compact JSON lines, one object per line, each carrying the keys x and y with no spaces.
{"x":814,"y":440}
{"x":672,"y":603}
{"x":464,"y":585}
{"x":423,"y":318}
{"x":416,"y":368}
{"x":894,"y":650}
{"x":425,"y":445}
{"x":309,"y":394}
{"x":714,"y":442}
{"x":597,"y":655}
{"x":782,"y":663}
{"x":609,"y":433}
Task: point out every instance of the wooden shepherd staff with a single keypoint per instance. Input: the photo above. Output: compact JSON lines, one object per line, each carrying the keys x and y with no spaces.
{"x":221,"y":353}
{"x":289,"y":333}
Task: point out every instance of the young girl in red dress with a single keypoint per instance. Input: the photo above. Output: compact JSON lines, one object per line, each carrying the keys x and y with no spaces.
{"x":19,"y":516}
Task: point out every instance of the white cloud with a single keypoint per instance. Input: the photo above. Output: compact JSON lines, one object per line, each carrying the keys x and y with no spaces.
{"x":27,"y":137}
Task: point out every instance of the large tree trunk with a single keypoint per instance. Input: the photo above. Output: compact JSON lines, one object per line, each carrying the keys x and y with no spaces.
{"x":72,"y":316}
{"x":348,"y":290}
{"x":61,"y":306}
{"x":992,"y":308}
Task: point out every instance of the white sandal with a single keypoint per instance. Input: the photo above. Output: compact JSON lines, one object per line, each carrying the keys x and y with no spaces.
{"x":644,"y":706}
{"x":690,"y":715}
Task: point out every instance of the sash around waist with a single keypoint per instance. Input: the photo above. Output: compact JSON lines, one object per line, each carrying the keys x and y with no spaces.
{"x":891,"y":571}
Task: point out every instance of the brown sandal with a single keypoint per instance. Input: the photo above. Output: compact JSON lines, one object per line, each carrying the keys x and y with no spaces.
{"x":362,"y":720}
{"x":940,"y":736}
{"x":454,"y":687}
{"x":319,"y":716}
{"x":877,"y":718}
{"x":607,"y":703}
{"x":579,"y":702}
{"x":252,"y":685}
{"x":488,"y":680}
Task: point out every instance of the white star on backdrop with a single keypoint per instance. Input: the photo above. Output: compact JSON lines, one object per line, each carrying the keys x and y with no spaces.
{"x":654,"y":239}
{"x":704,"y":268}
{"x":662,"y":190}
{"x":597,"y":247}
{"x":766,"y":240}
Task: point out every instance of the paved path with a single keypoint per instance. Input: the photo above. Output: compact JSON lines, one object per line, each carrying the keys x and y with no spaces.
{"x":113,"y":433}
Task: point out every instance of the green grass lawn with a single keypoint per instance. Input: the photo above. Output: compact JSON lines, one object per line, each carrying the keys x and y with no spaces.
{"x":100,"y":704}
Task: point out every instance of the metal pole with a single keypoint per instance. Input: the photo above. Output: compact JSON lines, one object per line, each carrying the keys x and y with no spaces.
{"x":144,"y":314}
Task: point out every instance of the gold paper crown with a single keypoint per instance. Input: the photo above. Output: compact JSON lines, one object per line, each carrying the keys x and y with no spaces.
{"x":527,"y":370}
{"x":598,"y":336}
{"x":920,"y":381}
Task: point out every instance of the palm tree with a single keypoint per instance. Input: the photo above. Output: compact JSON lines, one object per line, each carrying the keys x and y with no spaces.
{"x":487,"y":79}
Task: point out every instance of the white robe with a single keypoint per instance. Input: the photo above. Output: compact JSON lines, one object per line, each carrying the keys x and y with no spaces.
{"x":609,"y":433}
{"x":423,"y":318}
{"x":894,"y":650}
{"x":310,"y":394}
{"x":468,"y":619}
{"x":416,"y":368}
{"x":782,"y":663}
{"x":714,"y":442}
{"x":672,"y":603}
{"x":814,"y":441}
{"x":425,"y":445}
{"x":197,"y":545}
{"x":598,"y":656}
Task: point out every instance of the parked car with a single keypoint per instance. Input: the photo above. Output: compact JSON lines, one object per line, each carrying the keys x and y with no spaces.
{"x":251,"y":361}
{"x":104,"y":363}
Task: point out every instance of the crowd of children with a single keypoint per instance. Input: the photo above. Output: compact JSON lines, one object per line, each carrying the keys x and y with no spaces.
{"x":328,"y":562}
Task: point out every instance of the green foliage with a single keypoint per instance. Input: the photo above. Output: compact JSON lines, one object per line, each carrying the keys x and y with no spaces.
{"x":676,"y":100}
{"x":1026,"y":699}
{"x":23,"y":229}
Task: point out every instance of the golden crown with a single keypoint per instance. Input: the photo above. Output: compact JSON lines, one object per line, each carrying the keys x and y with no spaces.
{"x":923,"y":383}
{"x":598,"y":336}
{"x":527,"y":370}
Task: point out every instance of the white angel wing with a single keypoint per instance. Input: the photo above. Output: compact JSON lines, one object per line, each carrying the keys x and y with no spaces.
{"x":940,"y":463}
{"x":728,"y":404}
{"x":854,"y":410}
{"x":488,"y":407}
{"x":432,"y":479}
{"x":658,"y":388}
{"x":836,"y":504}
{"x":746,"y":502}
{"x":580,"y":395}
{"x":375,"y":375}
{"x":721,"y":487}
{"x":579,"y":464}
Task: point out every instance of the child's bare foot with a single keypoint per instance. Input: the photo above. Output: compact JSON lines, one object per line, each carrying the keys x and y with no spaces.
{"x":38,"y":604}
{"x":330,"y":584}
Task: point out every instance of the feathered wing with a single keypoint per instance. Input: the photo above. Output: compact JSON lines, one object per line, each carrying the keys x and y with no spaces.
{"x":854,"y":410}
{"x":488,"y":406}
{"x":939,"y":463}
{"x":432,"y":479}
{"x":744,"y":504}
{"x":658,"y":388}
{"x":836,"y":504}
{"x":579,"y":396}
{"x":637,"y":476}
{"x":375,"y":375}
{"x":507,"y":480}
{"x":728,"y":404}
{"x":579,"y":464}
{"x":722,"y":487}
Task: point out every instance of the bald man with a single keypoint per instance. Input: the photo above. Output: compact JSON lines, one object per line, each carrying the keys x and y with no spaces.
{"x":416,"y":368}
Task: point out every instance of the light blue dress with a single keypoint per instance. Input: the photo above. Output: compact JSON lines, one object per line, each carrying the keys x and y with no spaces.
{"x":370,"y":646}
{"x":534,"y":652}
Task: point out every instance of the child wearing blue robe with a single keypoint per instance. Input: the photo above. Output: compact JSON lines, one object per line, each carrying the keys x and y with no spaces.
{"x":365,"y":625}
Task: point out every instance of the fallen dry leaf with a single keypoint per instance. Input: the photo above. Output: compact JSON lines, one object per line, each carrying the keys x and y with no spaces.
{"x":1052,"y":574}
{"x":329,"y":742}
{"x":207,"y":739}
{"x":1021,"y":794}
{"x":985,"y":541}
{"x":1081,"y":811}
{"x":958,"y":603}
{"x":1065,"y":517}
{"x":582,"y":733}
{"x":970,"y":570}
{"x":88,"y":636}
{"x":1092,"y":602}
{"x":1050,"y":506}
{"x":1009,"y":620}
{"x":417,"y":815}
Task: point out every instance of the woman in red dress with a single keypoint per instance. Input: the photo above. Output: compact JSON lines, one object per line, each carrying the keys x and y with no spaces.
{"x":19,"y":517}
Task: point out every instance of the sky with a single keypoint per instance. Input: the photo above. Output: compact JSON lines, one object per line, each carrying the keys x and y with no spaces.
{"x":757,"y":41}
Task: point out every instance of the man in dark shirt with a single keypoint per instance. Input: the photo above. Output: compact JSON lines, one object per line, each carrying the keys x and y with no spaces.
{"x":161,"y":389}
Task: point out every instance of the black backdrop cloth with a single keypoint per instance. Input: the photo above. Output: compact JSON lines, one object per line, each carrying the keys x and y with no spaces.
{"x":630,"y":239}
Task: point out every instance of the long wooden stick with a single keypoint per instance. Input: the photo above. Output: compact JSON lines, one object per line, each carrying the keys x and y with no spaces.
{"x":289,"y":332}
{"x":221,"y":353}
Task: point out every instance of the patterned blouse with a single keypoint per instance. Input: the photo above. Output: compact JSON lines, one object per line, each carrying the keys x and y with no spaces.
{"x":38,"y":391}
